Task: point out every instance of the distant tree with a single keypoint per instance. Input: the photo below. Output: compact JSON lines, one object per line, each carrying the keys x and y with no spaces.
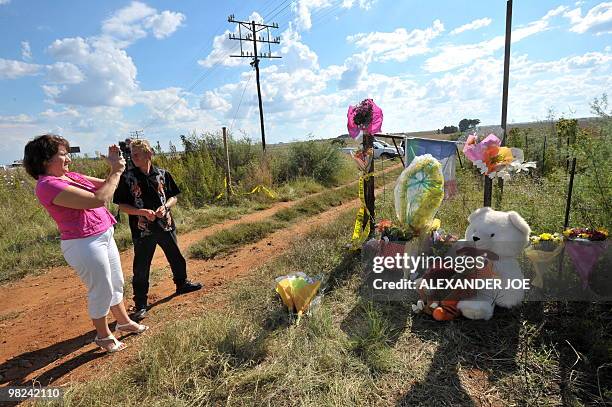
{"x":438,"y":132}
{"x":449,"y":129}
{"x":466,"y":124}
{"x":171,"y":147}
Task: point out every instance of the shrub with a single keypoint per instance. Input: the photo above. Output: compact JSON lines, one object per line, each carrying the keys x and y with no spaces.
{"x":318,"y":160}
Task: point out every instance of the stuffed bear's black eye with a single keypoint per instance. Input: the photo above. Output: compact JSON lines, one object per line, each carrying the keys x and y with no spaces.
{"x":492,"y":234}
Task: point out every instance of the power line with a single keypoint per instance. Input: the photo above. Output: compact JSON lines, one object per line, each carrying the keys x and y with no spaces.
{"x":207,"y":72}
{"x":252,"y":34}
{"x":240,"y":102}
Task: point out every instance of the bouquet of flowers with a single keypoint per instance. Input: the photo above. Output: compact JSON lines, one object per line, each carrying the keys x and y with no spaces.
{"x":542,"y":252}
{"x":418,"y":193}
{"x":366,"y":116}
{"x":546,"y":242}
{"x":584,"y":246}
{"x":363,"y":158}
{"x":393,"y":232}
{"x":586,"y":234}
{"x":494,"y":160}
{"x":442,"y":242}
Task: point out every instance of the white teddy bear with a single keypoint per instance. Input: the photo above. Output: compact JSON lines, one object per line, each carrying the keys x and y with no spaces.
{"x":506,"y":234}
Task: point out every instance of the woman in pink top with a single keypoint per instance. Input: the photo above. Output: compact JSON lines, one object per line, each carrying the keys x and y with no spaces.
{"x":77,"y":204}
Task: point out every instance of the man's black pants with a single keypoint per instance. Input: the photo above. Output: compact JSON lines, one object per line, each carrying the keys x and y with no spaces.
{"x":144,"y":248}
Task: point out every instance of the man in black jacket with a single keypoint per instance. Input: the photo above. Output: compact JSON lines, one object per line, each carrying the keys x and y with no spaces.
{"x":147,"y":193}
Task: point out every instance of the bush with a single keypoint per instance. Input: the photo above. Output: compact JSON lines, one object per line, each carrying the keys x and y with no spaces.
{"x":449,"y":129}
{"x":200,"y":171}
{"x":319,"y":160}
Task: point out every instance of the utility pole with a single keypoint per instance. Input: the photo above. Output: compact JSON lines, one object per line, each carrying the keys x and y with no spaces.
{"x":252,"y":29}
{"x":228,"y":175}
{"x":488,"y":185}
{"x":136,"y":134}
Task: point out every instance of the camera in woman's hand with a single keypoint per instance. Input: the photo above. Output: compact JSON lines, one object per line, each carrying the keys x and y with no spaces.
{"x":115,"y":159}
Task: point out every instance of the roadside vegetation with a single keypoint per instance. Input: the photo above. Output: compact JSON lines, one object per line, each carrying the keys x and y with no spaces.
{"x":353,"y":351}
{"x":239,"y":235}
{"x":245,"y":349}
{"x":31,"y":242}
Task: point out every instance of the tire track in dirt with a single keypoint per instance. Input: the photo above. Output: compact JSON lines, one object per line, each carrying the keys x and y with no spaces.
{"x":44,"y":327}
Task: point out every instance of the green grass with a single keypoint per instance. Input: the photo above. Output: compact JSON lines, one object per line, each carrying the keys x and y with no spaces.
{"x":352,"y":351}
{"x":226,"y":240}
{"x":33,"y":244}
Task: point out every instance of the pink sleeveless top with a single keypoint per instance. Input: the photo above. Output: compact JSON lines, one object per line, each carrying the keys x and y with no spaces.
{"x":72,"y":223}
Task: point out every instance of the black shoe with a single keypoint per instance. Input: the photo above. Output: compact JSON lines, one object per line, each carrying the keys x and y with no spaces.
{"x":139,"y":313}
{"x":187,"y":287}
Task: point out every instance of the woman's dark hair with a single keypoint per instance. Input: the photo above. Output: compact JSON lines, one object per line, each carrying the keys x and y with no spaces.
{"x":40,"y":150}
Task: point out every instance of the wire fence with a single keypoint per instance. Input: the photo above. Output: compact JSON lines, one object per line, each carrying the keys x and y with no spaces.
{"x":556,"y":194}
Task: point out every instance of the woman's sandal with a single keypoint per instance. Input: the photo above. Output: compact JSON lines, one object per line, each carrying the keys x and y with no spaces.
{"x":132,"y":328}
{"x":116,"y":346}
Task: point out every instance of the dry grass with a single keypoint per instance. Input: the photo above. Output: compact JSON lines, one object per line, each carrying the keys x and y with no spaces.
{"x":352,"y":351}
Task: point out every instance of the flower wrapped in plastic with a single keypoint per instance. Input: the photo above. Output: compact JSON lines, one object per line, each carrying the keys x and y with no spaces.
{"x":543,"y":250}
{"x":297,"y":291}
{"x":418,"y":193}
{"x":492,"y":159}
{"x":366,"y":116}
{"x":585,"y":246}
{"x":363,"y":158}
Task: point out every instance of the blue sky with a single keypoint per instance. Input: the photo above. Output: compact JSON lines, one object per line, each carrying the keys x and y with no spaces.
{"x":94,"y":71}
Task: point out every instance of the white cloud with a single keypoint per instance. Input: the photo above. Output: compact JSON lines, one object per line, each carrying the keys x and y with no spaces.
{"x":51,"y":90}
{"x":304,"y":9}
{"x":55,"y":114}
{"x":17,"y":119}
{"x":168,"y":106}
{"x":598,"y":20}
{"x":356,"y":68}
{"x":26,"y":51}
{"x":11,"y":69}
{"x":296,"y":55}
{"x":64,"y":73}
{"x":364,"y":4}
{"x":398,"y":45}
{"x":165,"y":23}
{"x":127,"y":23}
{"x":132,"y":22}
{"x":2,"y":2}
{"x":212,"y":101}
{"x":96,"y":73}
{"x":75,"y":50}
{"x":474,"y":25}
{"x":454,"y":56}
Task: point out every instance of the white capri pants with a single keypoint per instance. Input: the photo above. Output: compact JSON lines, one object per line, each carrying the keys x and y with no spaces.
{"x":97,"y":263}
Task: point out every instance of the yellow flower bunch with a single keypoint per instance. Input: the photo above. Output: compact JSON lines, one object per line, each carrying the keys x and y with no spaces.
{"x":545,"y":240}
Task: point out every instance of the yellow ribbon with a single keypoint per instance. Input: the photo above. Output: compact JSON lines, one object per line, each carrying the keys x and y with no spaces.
{"x":361,"y":232}
{"x":258,"y":188}
{"x":265,"y":190}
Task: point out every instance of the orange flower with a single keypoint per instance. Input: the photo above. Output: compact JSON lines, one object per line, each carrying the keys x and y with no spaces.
{"x":383,"y":224}
{"x":494,"y":156}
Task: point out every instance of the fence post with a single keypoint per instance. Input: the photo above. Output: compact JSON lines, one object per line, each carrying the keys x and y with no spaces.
{"x":568,"y":202}
{"x":544,"y":155}
{"x":368,"y":185}
{"x":488,"y":185}
{"x":228,"y":175}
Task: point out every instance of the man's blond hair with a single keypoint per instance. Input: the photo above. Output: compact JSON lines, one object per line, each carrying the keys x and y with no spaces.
{"x":141,"y":144}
